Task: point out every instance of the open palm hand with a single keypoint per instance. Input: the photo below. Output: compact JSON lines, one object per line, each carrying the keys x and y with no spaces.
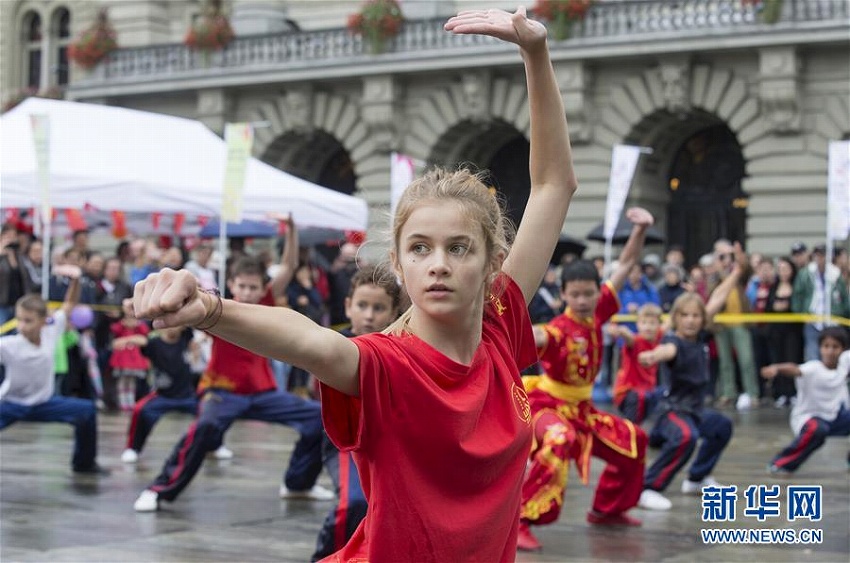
{"x":513,"y":28}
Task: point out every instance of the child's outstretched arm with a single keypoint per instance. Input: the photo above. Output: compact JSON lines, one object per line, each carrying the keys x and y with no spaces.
{"x":659,"y":354}
{"x":717,"y":299}
{"x":787,"y":368}
{"x":288,"y":258}
{"x":620,"y":331}
{"x":553,"y":180}
{"x":173,"y":299}
{"x":642,"y":220}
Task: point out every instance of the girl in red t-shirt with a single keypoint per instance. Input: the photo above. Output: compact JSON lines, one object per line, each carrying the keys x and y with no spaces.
{"x":127,"y":362}
{"x":433,"y":409}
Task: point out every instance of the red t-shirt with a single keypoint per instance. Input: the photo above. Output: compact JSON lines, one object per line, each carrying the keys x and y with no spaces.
{"x":632,"y":375}
{"x":573,"y":352}
{"x":237,"y":370}
{"x":441,"y":447}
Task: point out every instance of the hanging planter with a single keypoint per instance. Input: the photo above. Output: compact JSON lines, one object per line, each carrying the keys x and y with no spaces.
{"x":376,"y":22}
{"x":95,"y":43}
{"x":210,"y":32}
{"x":561,"y":15}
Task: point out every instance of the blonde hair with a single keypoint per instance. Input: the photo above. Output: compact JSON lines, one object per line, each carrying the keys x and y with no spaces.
{"x":649,"y":310}
{"x":685,"y":299}
{"x":480,"y":207}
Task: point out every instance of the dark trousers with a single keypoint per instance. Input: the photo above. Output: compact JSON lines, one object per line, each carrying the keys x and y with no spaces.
{"x":677,"y":434}
{"x":350,"y":509}
{"x":812,"y":436}
{"x":147,"y":413}
{"x":638,"y":404}
{"x":218,"y":410}
{"x":80,"y":413}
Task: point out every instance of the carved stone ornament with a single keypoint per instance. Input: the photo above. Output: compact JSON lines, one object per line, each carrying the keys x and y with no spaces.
{"x":298,"y":109}
{"x":675,"y":75}
{"x":779,"y":88}
{"x":574,"y":82}
{"x":476,"y":93}
{"x":380,"y":95}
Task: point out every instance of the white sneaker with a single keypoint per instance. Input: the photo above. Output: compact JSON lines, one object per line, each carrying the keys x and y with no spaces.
{"x":695,"y":487}
{"x":653,"y":500}
{"x":148,"y":501}
{"x":130,"y":456}
{"x":223,"y":453}
{"x":318,"y":492}
{"x":710,"y":481}
{"x":780,"y":402}
{"x":745,"y":402}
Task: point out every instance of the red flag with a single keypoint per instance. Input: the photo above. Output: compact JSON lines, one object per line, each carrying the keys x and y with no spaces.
{"x":75,"y":220}
{"x":179,"y":219}
{"x":155,"y":219}
{"x":355,"y":237}
{"x":203,"y":220}
{"x":119,"y":224}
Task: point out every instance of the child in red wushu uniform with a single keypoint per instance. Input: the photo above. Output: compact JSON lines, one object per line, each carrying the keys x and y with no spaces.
{"x":567,"y":426}
{"x":433,"y":409}
{"x":636,"y":391}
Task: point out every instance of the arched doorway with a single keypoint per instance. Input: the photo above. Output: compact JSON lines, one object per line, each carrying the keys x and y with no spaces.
{"x":706,"y":198}
{"x":496,"y":147}
{"x":316,"y":157}
{"x":691,"y":182}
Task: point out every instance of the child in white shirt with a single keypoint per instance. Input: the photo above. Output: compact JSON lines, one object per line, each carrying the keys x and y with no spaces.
{"x":26,"y":393}
{"x":823,"y":404}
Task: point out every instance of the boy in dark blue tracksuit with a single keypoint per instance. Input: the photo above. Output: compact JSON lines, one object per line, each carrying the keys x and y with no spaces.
{"x":174,"y":383}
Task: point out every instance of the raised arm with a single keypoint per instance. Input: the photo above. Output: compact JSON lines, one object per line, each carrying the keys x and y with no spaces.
{"x":789,"y":369}
{"x":288,"y":258}
{"x":553,"y":180}
{"x":173,"y":299}
{"x":72,"y":294}
{"x":717,"y":299}
{"x":642,"y":220}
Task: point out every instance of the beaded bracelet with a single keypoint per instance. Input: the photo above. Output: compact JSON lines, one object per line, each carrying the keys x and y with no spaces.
{"x":212,"y":318}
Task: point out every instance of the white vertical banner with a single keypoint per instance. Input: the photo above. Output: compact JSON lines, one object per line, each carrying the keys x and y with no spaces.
{"x":837,"y":201}
{"x":41,"y":144}
{"x":401,"y":174}
{"x":624,"y":159}
{"x":239,"y":138}
{"x":838,"y":191}
{"x":41,"y":141}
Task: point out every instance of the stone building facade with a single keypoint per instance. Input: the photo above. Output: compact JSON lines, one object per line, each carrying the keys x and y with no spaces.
{"x":738,"y":113}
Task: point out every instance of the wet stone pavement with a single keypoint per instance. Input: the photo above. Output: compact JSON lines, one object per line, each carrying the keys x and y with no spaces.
{"x":231,"y":511}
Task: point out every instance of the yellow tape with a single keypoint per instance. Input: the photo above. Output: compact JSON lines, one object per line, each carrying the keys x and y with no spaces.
{"x":11,"y":324}
{"x":751,"y":318}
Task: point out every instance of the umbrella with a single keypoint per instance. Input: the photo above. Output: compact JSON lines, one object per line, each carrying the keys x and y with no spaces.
{"x":622,"y":232}
{"x":567,"y":245}
{"x":244,"y":229}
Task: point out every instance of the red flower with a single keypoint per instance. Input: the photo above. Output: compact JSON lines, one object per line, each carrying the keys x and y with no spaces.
{"x":549,"y":10}
{"x":95,"y":43}
{"x":380,"y":19}
{"x":211,"y":32}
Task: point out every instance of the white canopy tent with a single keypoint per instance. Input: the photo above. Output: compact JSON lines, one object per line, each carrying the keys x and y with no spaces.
{"x":119,"y":159}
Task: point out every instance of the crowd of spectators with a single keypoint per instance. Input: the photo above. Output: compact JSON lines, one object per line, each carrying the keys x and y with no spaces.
{"x":318,"y":290}
{"x":800,"y":282}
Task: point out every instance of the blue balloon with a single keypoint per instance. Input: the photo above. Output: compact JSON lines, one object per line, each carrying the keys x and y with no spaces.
{"x":82,"y":317}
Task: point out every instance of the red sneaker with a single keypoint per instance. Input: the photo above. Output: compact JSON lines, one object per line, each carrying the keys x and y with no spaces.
{"x":621,"y":519}
{"x":525,"y":540}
